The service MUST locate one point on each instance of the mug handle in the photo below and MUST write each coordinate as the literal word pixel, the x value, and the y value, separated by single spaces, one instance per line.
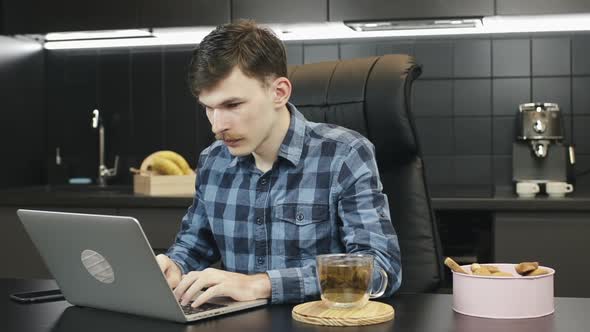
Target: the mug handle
pixel 381 287
pixel 569 188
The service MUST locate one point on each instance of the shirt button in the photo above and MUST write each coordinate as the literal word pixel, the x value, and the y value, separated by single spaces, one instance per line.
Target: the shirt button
pixel 260 260
pixel 263 182
pixel 259 221
pixel 299 216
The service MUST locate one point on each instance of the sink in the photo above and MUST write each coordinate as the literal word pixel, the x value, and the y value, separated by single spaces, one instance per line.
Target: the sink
pixel 89 188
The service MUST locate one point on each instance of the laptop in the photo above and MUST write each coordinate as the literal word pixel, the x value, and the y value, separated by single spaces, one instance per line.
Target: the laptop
pixel 106 262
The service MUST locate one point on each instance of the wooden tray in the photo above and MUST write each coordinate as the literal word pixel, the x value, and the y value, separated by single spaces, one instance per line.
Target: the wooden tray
pixel 164 185
pixel 318 314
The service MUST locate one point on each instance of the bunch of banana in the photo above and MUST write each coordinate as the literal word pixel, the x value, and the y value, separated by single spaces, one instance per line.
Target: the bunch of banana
pixel 166 162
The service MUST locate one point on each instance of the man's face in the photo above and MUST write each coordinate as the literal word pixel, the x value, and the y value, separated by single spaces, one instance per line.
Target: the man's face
pixel 241 112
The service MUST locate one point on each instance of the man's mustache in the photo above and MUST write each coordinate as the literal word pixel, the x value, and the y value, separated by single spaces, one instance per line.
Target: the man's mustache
pixel 226 137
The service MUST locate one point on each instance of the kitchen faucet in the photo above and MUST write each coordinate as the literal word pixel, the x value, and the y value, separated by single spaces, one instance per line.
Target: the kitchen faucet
pixel 103 172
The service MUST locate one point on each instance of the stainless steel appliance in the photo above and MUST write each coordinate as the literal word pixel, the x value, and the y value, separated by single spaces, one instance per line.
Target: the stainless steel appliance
pixel 540 153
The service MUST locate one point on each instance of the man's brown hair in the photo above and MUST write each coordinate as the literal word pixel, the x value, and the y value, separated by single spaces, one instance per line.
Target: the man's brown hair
pixel 255 50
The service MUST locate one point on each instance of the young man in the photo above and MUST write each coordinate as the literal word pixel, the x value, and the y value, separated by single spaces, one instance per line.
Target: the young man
pixel 275 190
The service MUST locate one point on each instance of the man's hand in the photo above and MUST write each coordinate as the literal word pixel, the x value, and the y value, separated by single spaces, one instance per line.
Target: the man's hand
pixel 238 286
pixel 171 271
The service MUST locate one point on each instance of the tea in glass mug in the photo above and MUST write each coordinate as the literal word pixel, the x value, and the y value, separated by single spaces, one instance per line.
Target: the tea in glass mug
pixel 345 280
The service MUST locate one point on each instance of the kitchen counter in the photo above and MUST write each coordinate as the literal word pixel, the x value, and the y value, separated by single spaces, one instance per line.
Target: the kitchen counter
pixel 443 198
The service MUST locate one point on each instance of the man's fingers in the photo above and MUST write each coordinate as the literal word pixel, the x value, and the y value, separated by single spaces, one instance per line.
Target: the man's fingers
pixel 163 262
pixel 171 273
pixel 186 281
pixel 173 278
pixel 207 295
pixel 195 288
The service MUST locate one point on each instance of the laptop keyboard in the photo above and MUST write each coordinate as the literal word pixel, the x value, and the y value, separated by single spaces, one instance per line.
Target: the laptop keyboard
pixel 188 310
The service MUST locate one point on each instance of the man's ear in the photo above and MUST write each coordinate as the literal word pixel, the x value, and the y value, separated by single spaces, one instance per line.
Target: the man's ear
pixel 282 91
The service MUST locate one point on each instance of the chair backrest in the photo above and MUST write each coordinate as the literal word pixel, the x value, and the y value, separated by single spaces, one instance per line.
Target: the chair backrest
pixel 373 97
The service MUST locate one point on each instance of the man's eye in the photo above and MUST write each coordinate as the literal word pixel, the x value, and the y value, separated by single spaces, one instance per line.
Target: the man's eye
pixel 233 105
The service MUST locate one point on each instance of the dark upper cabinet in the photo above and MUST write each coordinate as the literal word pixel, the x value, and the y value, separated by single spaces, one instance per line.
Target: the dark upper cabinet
pixel 539 7
pixel 178 13
pixel 281 11
pixel 37 16
pixel 41 16
pixel 352 10
pixel 2 27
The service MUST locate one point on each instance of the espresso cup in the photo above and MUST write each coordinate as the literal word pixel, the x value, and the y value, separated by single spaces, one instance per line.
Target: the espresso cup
pixel 346 280
pixel 558 189
pixel 527 189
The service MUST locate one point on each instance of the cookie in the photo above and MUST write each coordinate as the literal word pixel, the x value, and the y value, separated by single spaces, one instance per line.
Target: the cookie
pixel 537 272
pixel 526 267
pixel 454 266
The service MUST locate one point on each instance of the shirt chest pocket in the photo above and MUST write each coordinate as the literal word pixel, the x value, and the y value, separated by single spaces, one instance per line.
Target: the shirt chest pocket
pixel 304 229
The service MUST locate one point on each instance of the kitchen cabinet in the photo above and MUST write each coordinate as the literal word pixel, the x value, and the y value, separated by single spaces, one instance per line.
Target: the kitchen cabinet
pixel 540 7
pixel 281 11
pixel 177 13
pixel 18 254
pixel 555 239
pixel 354 10
pixel 37 16
pixel 22 260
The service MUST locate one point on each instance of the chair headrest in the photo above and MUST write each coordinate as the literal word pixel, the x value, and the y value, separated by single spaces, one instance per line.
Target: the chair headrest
pixel 369 95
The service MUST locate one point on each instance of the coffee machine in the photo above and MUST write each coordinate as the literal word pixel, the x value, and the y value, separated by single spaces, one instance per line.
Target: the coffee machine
pixel 540 153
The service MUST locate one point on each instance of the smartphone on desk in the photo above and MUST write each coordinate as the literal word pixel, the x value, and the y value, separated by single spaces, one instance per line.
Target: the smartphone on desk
pixel 38 296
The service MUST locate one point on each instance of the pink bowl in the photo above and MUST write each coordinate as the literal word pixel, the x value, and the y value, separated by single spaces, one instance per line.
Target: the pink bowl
pixel 503 297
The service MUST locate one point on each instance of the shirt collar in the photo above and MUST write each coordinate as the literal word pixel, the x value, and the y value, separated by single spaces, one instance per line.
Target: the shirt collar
pixel 292 146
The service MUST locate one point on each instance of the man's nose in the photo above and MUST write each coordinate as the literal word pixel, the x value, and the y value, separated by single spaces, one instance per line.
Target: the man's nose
pixel 219 122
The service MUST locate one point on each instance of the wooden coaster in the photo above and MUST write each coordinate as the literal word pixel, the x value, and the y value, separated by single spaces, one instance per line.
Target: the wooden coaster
pixel 318 314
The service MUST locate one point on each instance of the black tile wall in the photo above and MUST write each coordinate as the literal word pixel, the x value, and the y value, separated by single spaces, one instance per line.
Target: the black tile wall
pixel 399 47
pixel 433 98
pixel 473 170
pixel 554 90
pixel 580 55
pixel 438 169
pixel 504 133
pixel 509 93
pixel 502 170
pixel 551 56
pixel 581 95
pixel 568 127
pixel 582 134
pixel 357 50
pixel 465 102
pixel 436 135
pixel 511 57
pixel 472 97
pixel 322 52
pixel 583 166
pixel 435 57
pixel 472 58
pixel 294 54
pixel 473 136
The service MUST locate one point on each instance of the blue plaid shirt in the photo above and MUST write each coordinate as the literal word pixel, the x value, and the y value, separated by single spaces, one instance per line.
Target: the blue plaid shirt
pixel 323 195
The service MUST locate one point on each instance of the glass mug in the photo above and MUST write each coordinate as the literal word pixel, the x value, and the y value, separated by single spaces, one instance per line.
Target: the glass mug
pixel 345 280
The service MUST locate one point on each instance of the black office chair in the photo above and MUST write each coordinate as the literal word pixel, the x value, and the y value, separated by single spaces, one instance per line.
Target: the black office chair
pixel 373 97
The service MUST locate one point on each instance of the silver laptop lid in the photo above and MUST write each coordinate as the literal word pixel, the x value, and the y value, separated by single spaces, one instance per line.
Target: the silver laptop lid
pixel 102 261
